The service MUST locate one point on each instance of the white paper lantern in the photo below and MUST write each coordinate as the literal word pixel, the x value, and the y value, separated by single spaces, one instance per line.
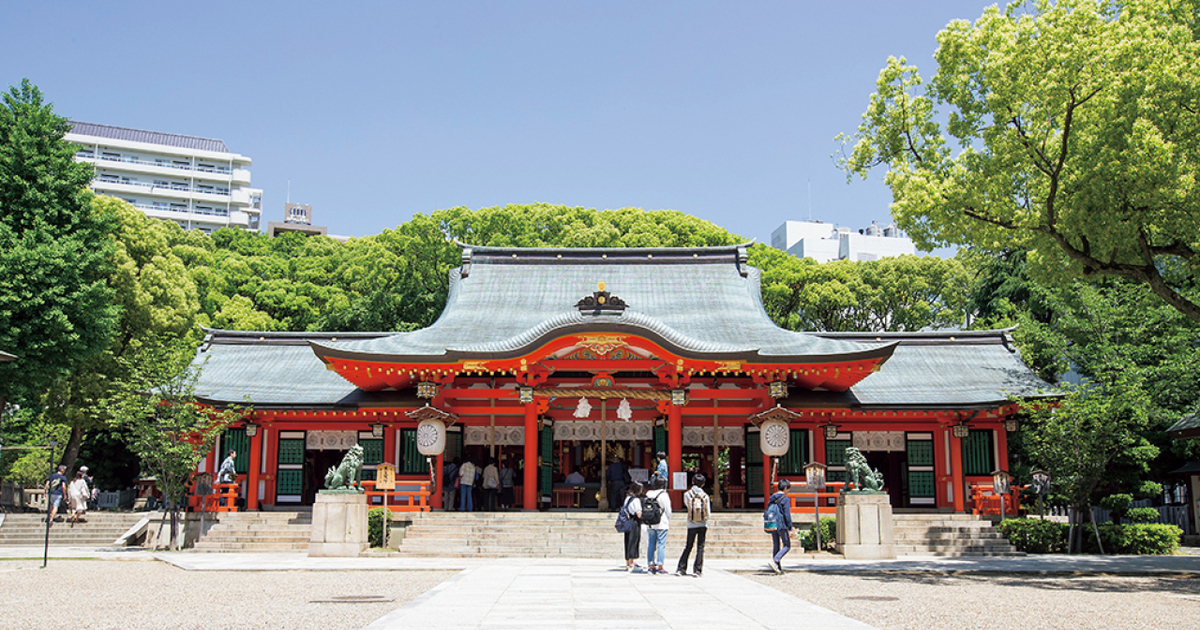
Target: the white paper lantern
pixel 774 438
pixel 431 437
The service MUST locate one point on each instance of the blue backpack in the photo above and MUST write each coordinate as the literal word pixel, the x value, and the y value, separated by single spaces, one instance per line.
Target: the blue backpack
pixel 772 518
pixel 625 523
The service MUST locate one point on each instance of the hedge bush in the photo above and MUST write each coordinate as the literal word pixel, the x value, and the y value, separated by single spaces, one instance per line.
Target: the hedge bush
pixel 375 526
pixel 1034 535
pixel 1148 539
pixel 1142 515
pixel 808 541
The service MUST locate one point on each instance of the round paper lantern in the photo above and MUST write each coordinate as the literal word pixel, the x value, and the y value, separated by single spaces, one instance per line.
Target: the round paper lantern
pixel 774 438
pixel 431 437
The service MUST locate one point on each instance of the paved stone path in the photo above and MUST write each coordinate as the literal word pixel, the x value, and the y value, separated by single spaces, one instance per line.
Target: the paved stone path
pixel 508 594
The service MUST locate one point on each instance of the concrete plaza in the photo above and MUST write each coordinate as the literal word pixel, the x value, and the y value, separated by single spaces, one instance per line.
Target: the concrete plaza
pixel 578 593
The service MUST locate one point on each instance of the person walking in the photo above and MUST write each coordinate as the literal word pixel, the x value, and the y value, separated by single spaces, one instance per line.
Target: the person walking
pixel 698 507
pixel 56 486
pixel 466 482
pixel 656 543
pixel 449 484
pixel 506 486
pixel 661 471
pixel 227 473
pixel 633 537
pixel 779 511
pixel 78 494
pixel 491 485
pixel 616 476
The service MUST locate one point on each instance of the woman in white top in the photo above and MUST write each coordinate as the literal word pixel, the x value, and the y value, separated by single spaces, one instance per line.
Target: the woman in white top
pixel 78 494
pixel 633 537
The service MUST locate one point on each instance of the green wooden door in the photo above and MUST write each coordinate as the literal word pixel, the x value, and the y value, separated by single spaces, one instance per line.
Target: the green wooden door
pixel 289 472
pixel 920 481
pixel 754 466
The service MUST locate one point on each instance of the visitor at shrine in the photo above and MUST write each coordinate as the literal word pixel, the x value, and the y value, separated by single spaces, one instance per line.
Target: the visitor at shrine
pixel 661 471
pixel 779 512
pixel 466 483
pixel 633 537
pixel 450 483
pixel 56 486
pixel 656 544
pixel 227 473
pixel 696 503
pixel 575 477
pixel 506 486
pixel 617 477
pixel 491 485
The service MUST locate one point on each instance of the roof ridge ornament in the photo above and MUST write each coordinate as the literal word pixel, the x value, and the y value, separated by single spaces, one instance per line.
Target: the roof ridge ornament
pixel 599 301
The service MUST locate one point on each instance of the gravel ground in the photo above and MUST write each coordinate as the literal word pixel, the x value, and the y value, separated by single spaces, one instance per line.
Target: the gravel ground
pixel 927 601
pixel 154 595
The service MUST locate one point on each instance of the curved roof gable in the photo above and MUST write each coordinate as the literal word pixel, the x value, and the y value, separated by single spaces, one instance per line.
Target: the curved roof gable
pixel 698 301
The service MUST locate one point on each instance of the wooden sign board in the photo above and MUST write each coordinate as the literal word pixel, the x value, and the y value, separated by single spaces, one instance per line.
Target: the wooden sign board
pixel 385 477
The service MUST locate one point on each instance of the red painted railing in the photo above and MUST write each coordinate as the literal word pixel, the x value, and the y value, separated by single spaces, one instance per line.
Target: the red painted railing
pixel 985 501
pixel 400 500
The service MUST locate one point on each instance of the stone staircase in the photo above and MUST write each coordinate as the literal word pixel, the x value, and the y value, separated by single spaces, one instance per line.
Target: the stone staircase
pixel 564 534
pixel 100 530
pixel 948 535
pixel 258 531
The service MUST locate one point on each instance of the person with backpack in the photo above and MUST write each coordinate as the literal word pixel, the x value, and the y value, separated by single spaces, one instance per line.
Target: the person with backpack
pixel 656 514
pixel 777 520
pixel 450 484
pixel 631 512
pixel 56 487
pixel 696 502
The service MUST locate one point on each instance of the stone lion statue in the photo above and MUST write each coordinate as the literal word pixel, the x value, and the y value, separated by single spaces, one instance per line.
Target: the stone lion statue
pixel 346 474
pixel 860 474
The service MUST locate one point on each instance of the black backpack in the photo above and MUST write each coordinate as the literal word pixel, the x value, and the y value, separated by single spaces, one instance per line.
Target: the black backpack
pixel 652 511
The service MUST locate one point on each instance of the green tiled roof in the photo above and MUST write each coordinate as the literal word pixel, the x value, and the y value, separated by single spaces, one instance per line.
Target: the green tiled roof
pixel 960 368
pixel 1187 427
pixel 700 302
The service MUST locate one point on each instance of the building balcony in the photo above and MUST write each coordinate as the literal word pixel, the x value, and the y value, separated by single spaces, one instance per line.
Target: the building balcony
pixel 153 167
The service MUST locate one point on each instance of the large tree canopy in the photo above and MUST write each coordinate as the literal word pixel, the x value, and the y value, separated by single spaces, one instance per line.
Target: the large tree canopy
pixel 1069 129
pixel 56 309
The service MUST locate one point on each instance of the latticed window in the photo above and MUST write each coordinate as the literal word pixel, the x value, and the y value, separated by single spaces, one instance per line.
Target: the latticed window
pixel 289 482
pixel 412 462
pixel 920 452
pixel 372 451
pixel 236 439
pixel 835 452
pixel 978 454
pixel 792 462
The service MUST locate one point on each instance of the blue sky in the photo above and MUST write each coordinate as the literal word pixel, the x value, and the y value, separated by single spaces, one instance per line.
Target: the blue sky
pixel 376 111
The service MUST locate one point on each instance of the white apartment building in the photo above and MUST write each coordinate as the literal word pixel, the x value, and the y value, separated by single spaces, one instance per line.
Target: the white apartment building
pixel 825 242
pixel 195 182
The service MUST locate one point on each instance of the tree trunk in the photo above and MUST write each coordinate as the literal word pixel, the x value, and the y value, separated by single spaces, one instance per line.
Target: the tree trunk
pixel 1095 529
pixel 71 452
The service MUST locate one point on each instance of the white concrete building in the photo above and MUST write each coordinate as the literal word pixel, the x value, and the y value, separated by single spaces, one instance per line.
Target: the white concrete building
pixel 195 182
pixel 825 242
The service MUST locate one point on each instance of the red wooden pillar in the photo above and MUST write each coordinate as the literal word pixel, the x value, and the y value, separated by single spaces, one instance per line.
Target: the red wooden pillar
pixel 530 498
pixel 956 474
pixel 253 474
pixel 272 464
pixel 1002 448
pixel 675 450
pixel 939 466
pixel 818 442
pixel 435 501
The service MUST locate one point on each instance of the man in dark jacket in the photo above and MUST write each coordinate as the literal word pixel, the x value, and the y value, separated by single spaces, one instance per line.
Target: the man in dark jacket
pixel 781 538
pixel 616 476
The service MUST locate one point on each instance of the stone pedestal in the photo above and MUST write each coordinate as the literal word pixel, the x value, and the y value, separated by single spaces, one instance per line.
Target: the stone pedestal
pixel 339 525
pixel 864 527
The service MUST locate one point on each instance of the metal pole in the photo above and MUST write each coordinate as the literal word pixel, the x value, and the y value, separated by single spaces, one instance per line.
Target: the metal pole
pixel 53 469
pixel 817 510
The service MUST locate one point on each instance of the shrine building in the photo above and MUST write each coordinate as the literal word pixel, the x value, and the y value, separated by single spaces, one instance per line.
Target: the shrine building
pixel 559 360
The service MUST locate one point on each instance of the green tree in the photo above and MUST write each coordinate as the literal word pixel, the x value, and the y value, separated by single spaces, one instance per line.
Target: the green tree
pixel 1067 129
pixel 904 293
pixel 155 410
pixel 56 309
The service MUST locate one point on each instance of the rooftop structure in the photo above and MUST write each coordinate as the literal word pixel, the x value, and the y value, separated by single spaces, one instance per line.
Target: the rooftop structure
pixel 297 217
pixel 825 242
pixel 196 182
